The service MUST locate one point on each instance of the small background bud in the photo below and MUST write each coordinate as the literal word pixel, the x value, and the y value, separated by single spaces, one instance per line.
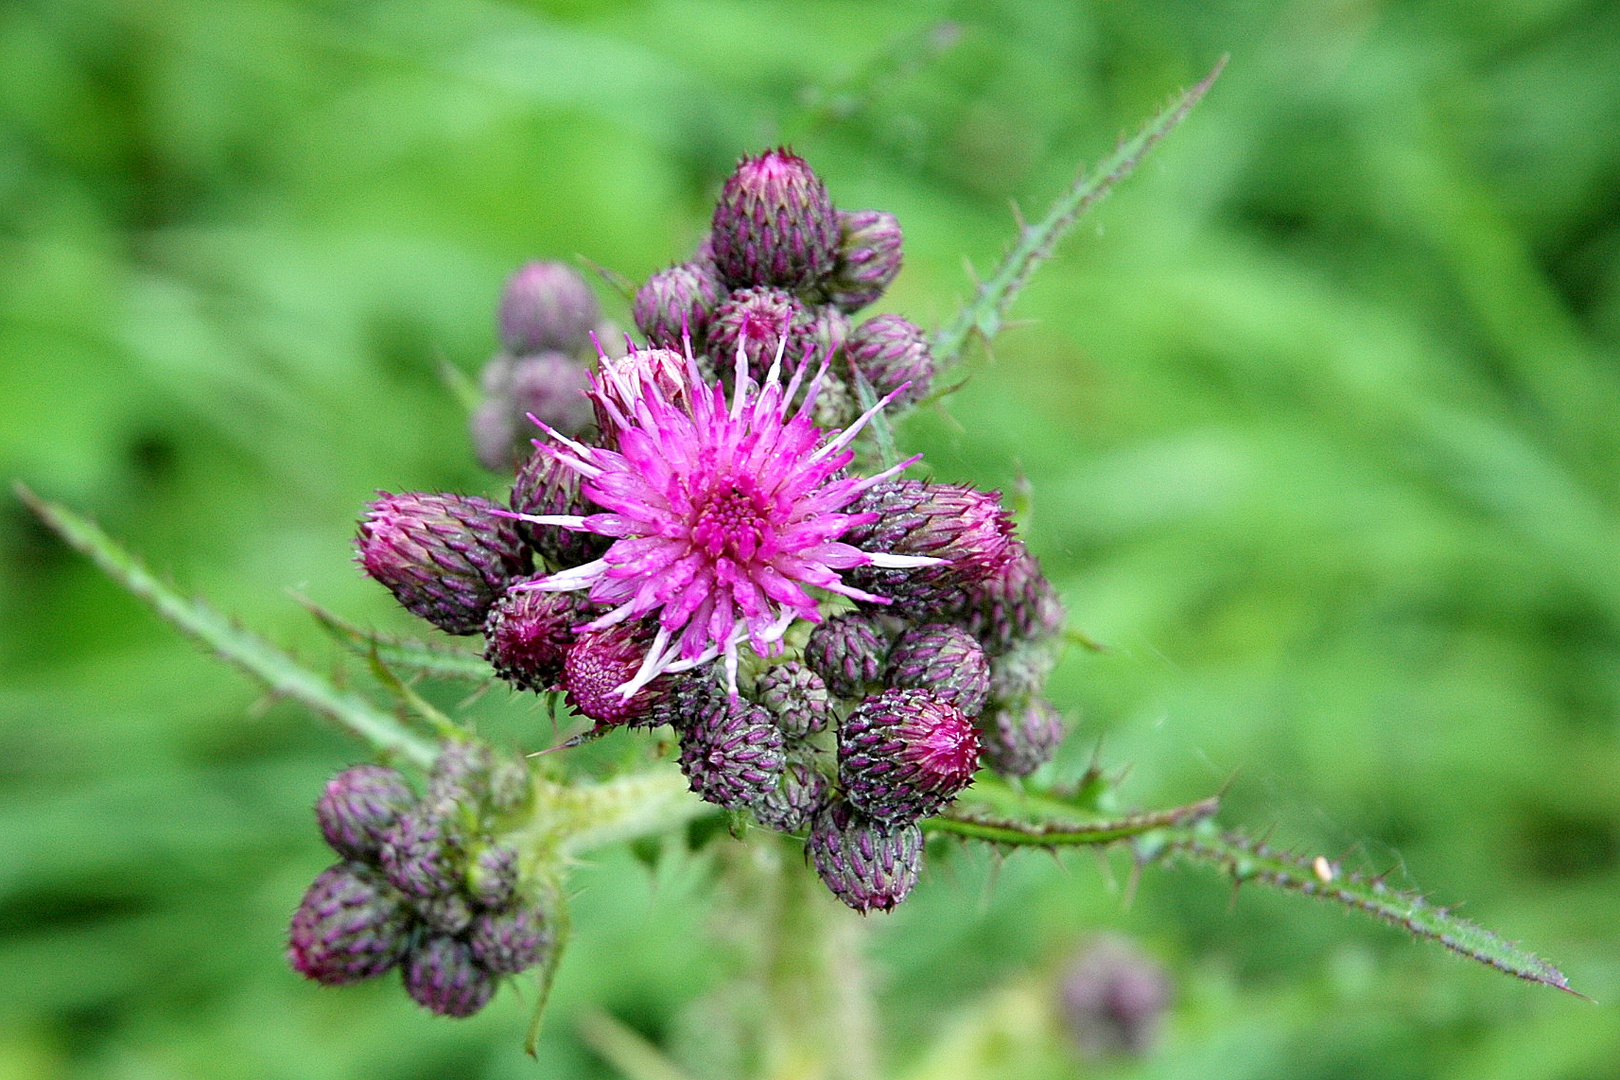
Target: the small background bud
pixel 869 256
pixel 358 806
pixel 547 305
pixel 350 926
pixel 1113 997
pixel 442 975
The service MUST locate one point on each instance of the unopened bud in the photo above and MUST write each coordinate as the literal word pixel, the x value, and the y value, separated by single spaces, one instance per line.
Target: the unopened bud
pixel 848 652
pixel 732 754
pixel 946 661
pixel 600 662
pixel 442 975
pixel 963 526
pixel 1114 997
pixel 360 804
pixel 796 697
pixel 889 352
pixel 546 486
pixel 506 942
pixel 445 557
pixel 528 635
pixel 904 754
pixel 678 301
pixel 1019 738
pixel 868 258
pixel 547 305
pixel 774 224
pixel 350 926
pixel 868 865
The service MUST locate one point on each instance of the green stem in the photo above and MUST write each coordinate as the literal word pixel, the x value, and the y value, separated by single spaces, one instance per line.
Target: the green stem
pixel 985 314
pixel 277 669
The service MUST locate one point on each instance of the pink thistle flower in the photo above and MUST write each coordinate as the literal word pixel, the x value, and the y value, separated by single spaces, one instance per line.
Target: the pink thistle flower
pixel 723 515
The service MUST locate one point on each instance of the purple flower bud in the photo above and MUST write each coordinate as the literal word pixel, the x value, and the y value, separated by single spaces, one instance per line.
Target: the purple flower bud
pixel 553 388
pixel 528 635
pixel 801 791
pixel 1113 997
pixel 1016 604
pixel 442 975
pixel 416 856
pixel 868 258
pixel 492 876
pixel 544 487
pixel 756 320
pixel 691 693
pixel 796 697
pixel 547 305
pixel 903 754
pixel 445 557
pixel 967 528
pixel 447 913
pixel 358 806
pixel 946 661
pixel 889 351
pixel 1017 739
pixel 350 926
pixel 676 301
pixel 600 662
pixel 506 942
pixel 732 754
pixel 847 651
pixel 774 224
pixel 868 865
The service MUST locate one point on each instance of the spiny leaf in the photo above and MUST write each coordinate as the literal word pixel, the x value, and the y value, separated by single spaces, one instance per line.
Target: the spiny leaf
pixel 979 824
pixel 423 657
pixel 1246 859
pixel 278 670
pixel 985 314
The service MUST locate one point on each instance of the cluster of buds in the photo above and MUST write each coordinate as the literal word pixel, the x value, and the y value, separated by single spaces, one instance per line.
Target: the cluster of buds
pixel 547 317
pixel 837 653
pixel 782 263
pixel 422 883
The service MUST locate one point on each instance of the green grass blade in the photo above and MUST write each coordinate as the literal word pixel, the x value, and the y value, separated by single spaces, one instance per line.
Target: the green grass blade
pixel 1245 859
pixel 278 670
pixel 985 314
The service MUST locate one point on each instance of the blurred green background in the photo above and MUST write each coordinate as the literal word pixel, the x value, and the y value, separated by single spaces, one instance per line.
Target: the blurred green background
pixel 1317 415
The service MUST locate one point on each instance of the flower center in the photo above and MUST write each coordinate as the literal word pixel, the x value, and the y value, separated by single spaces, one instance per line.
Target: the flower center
pixel 733 521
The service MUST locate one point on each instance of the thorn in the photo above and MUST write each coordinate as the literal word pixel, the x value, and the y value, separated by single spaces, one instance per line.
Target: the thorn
pixel 1018 217
pixel 973 275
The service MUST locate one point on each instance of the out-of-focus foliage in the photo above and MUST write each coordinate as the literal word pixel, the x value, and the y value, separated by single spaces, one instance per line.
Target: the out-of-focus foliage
pixel 1317 415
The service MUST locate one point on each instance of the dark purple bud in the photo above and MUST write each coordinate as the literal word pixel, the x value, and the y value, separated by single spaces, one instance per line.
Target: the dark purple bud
pixel 868 258
pixel 553 388
pixel 1015 605
pixel 903 754
pixel 800 792
pixel 350 926
pixel 359 805
pixel 796 697
pixel 847 651
pixel 544 486
pixel 442 976
pixel 447 913
pixel 1017 739
pixel 416 856
pixel 691 693
pixel 889 352
pixel 676 301
pixel 732 754
pixel 547 306
pixel 599 663
pixel 756 320
pixel 445 557
pixel 946 661
pixel 492 876
pixel 528 635
pixel 1114 997
pixel 774 224
pixel 867 864
pixel 506 942
pixel 965 527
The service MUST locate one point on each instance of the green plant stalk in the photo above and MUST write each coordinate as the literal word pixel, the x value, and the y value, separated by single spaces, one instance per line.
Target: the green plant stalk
pixel 271 665
pixel 986 313
pixel 441 661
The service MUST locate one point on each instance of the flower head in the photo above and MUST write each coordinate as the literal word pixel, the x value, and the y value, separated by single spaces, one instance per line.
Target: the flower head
pixel 724 515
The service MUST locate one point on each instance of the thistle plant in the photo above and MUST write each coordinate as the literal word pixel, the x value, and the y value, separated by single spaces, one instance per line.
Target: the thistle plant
pixel 710 538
